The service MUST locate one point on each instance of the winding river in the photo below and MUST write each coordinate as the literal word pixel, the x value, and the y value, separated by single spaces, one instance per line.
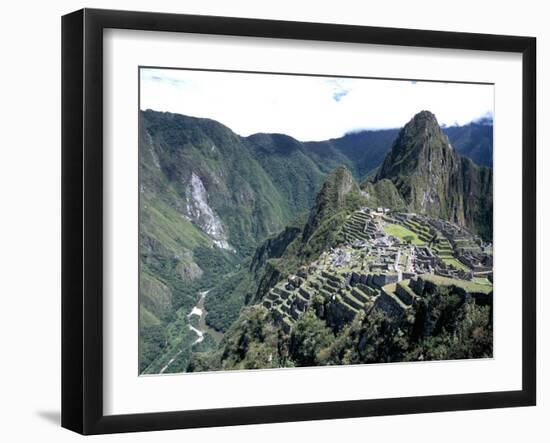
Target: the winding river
pixel 201 328
pixel 199 311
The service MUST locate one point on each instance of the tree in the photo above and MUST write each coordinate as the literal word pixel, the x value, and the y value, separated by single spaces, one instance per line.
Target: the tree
pixel 408 239
pixel 309 336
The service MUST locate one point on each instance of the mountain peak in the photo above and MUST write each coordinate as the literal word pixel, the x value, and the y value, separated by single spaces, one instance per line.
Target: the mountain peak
pixel 425 115
pixel 338 184
pixel 432 178
pixel 420 144
pixel 424 124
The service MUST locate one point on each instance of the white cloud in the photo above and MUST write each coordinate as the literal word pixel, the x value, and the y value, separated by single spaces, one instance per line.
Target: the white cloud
pixel 308 108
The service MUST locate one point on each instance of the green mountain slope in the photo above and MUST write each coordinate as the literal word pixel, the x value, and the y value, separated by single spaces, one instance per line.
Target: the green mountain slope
pixel 174 256
pixel 204 188
pixel 208 197
pixel 221 186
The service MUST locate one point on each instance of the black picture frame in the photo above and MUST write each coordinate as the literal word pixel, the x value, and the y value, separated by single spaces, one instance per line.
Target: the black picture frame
pixel 82 218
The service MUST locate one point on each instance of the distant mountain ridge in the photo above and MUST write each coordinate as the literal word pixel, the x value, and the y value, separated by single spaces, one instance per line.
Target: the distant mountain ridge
pixel 361 152
pixel 474 140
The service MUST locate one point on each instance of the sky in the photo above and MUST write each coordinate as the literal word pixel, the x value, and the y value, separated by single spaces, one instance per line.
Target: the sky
pixel 305 107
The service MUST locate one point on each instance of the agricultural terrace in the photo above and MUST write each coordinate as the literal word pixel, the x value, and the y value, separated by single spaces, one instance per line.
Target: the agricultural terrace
pixel 470 286
pixel 456 263
pixel 402 233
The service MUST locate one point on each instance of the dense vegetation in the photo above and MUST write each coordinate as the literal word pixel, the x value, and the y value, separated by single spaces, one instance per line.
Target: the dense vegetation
pixel 234 215
pixel 443 326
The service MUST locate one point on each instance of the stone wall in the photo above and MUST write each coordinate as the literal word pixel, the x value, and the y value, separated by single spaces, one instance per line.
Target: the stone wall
pixel 389 305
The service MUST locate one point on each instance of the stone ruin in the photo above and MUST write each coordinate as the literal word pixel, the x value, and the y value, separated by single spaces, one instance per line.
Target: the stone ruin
pixel 373 270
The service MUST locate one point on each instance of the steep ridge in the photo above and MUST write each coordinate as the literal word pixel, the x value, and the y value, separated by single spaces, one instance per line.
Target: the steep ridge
pixel 339 196
pixel 301 241
pixel 433 179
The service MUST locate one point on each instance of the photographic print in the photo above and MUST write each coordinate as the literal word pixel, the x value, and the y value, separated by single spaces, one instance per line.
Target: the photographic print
pixel 297 220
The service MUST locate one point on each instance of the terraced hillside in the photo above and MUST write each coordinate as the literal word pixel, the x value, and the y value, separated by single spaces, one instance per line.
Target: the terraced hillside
pixel 373 269
pixel 294 260
pixel 420 228
pixel 400 279
pixel 359 226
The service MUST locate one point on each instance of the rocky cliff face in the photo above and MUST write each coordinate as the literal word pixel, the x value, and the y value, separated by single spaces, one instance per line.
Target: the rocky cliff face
pixel 198 210
pixel 433 179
